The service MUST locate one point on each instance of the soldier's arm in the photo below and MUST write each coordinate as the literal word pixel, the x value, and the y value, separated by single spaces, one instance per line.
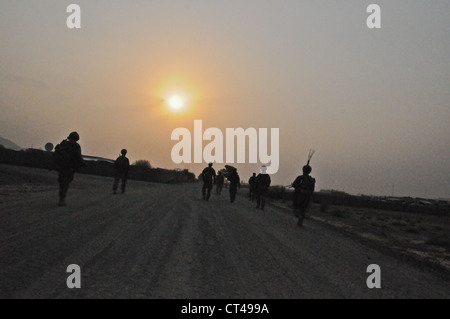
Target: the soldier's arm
pixel 79 158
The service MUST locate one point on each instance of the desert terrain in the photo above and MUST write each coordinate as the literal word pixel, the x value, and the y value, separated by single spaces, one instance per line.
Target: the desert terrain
pixel 162 241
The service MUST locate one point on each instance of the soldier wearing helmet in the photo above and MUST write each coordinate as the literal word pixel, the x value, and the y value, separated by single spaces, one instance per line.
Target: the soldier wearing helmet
pixel 67 159
pixel 121 167
pixel 235 183
pixel 304 189
pixel 263 181
pixel 209 178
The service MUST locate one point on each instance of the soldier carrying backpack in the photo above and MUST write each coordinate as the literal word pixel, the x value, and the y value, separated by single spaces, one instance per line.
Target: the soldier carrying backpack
pixel 304 188
pixel 262 187
pixel 209 178
pixel 121 167
pixel 67 159
pixel 235 183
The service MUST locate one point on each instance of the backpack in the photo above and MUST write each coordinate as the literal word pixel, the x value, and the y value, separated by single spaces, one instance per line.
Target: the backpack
pixel 307 184
pixel 62 157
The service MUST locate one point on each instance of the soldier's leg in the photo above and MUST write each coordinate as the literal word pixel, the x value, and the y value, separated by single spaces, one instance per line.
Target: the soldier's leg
pixel 301 217
pixel 263 200
pixel 208 193
pixel 258 199
pixel 302 210
pixel 304 205
pixel 116 183
pixel 63 187
pixel 296 205
pixel 204 191
pixel 124 183
pixel 65 176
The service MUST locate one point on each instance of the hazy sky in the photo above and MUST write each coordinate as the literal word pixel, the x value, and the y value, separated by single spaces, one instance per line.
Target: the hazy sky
pixel 373 103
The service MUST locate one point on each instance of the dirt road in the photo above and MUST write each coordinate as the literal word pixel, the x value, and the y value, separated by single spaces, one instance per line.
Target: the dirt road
pixel 163 241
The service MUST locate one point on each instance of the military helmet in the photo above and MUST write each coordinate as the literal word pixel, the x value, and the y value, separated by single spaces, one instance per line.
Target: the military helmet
pixel 307 169
pixel 123 152
pixel 73 136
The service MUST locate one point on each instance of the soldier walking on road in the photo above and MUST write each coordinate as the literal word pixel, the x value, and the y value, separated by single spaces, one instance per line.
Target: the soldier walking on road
pixel 235 183
pixel 252 187
pixel 304 188
pixel 121 167
pixel 209 177
pixel 219 182
pixel 262 187
pixel 67 159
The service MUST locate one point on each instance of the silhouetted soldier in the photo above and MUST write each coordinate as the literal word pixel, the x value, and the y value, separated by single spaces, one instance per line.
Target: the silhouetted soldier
pixel 219 182
pixel 67 159
pixel 262 187
pixel 209 177
pixel 121 167
pixel 304 189
pixel 252 187
pixel 235 183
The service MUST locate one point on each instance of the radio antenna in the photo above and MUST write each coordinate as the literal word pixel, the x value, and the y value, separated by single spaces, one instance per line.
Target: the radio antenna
pixel 310 155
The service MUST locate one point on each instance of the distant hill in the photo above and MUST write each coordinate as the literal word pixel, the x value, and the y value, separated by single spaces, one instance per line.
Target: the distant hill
pixel 10 145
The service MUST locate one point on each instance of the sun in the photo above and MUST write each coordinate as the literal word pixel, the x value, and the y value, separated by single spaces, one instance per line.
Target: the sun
pixel 175 103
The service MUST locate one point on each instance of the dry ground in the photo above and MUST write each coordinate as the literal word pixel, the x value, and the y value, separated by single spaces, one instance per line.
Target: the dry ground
pixel 422 237
pixel 163 241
